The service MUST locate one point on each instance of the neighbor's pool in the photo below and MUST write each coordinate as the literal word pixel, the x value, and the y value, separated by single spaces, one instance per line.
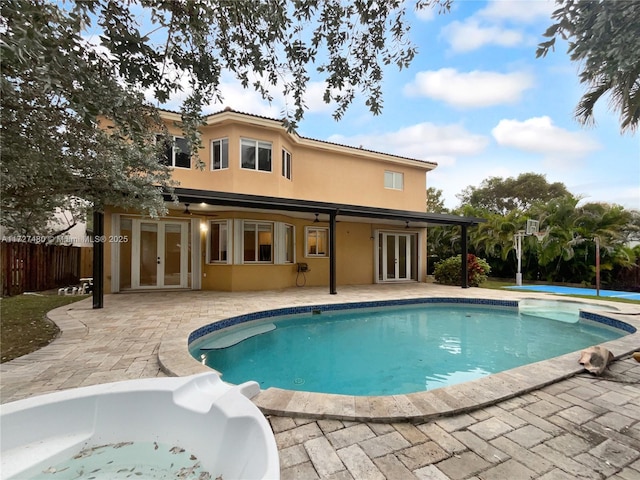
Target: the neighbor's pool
pixel 390 350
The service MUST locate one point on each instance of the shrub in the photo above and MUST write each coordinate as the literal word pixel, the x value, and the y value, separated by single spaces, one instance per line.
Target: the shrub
pixel 448 271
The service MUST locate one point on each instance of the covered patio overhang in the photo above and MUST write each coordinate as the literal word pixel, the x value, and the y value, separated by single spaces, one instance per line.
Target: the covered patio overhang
pixel 326 211
pixel 203 201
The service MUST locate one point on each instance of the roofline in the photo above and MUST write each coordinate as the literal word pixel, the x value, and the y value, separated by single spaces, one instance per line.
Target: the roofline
pixel 189 195
pixel 274 123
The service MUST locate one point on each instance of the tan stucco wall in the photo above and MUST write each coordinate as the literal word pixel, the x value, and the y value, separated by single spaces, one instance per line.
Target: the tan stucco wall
pixel 320 171
pixel 355 257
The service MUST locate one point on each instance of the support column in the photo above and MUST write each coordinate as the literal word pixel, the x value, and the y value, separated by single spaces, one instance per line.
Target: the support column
pixel 98 259
pixel 332 253
pixel 465 255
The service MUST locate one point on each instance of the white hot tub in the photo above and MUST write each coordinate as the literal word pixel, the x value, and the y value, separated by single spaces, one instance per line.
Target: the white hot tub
pixel 180 427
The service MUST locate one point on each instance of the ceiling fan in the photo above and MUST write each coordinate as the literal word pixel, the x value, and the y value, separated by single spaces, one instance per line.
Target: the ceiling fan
pixel 200 213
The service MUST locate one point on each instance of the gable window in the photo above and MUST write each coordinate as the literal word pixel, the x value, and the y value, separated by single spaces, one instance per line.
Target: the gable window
pixel 255 155
pixel 286 164
pixel 220 154
pixel 393 180
pixel 176 153
pixel 257 242
pixel 316 242
pixel 218 245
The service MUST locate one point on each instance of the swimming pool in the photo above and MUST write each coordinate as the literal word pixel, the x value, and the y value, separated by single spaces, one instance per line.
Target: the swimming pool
pixel 388 348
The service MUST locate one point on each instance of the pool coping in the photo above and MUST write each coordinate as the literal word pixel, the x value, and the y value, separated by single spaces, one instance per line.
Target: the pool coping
pixel 175 360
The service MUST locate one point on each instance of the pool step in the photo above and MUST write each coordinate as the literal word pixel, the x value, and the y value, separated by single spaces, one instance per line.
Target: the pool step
pixel 237 336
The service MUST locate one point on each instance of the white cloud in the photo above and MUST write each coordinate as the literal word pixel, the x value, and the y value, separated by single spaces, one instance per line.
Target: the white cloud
pixel 235 96
pixel 470 35
pixel 626 194
pixel 521 11
pixel 470 90
pixel 540 135
pixel 488 25
pixel 424 141
pixel 453 179
pixel 425 14
pixel 314 98
pixel 247 100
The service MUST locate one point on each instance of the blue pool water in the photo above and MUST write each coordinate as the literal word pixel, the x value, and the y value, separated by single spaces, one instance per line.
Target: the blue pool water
pixel 391 350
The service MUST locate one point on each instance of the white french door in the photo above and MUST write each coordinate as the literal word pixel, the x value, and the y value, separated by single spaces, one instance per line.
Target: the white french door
pixel 397 259
pixel 160 255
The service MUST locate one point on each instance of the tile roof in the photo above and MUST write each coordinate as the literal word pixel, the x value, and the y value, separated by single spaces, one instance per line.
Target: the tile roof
pixel 281 121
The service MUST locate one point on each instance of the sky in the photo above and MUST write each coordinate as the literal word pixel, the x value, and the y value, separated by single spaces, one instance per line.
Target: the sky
pixel 478 102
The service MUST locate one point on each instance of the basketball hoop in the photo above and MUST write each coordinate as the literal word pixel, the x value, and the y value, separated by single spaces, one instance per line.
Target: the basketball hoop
pixel 541 235
pixel 532 227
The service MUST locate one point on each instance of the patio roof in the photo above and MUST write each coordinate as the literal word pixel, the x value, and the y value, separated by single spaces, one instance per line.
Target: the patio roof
pixel 339 210
pixel 211 200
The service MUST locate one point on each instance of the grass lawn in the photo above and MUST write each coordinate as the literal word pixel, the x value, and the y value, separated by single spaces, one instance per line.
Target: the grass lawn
pixel 24 327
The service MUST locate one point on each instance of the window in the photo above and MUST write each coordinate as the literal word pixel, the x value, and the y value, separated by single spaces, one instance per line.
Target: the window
pixel 394 180
pixel 286 164
pixel 257 242
pixel 218 246
pixel 255 155
pixel 176 152
pixel 316 242
pixel 220 154
pixel 289 243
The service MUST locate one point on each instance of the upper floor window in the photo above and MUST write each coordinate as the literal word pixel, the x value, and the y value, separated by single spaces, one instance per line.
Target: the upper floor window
pixel 176 153
pixel 220 154
pixel 286 164
pixel 393 180
pixel 255 155
pixel 316 242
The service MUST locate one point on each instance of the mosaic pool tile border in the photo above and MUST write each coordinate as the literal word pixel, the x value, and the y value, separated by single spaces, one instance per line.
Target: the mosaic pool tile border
pixel 610 322
pixel 233 321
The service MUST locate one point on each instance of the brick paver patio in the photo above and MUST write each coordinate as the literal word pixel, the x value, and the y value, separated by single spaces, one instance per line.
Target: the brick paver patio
pixel 580 427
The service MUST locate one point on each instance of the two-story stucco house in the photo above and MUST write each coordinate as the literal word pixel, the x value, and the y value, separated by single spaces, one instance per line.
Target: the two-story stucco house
pixel 271 210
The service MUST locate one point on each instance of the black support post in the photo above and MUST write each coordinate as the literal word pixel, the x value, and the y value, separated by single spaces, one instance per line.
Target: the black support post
pixel 98 259
pixel 465 257
pixel 332 253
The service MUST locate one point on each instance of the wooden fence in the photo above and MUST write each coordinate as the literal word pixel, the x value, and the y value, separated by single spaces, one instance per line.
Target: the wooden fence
pixel 33 267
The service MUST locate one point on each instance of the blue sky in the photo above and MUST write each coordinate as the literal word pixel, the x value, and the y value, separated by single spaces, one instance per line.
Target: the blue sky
pixel 478 102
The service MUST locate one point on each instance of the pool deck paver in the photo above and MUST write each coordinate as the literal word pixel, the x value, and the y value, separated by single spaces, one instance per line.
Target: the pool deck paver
pixel 579 427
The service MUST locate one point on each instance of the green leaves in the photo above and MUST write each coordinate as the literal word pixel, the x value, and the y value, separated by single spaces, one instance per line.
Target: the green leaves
pixel 56 91
pixel 498 195
pixel 604 38
pixel 565 254
pixel 76 124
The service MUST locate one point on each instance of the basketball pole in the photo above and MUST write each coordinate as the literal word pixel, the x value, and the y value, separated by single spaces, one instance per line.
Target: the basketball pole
pixel 518 238
pixel 597 240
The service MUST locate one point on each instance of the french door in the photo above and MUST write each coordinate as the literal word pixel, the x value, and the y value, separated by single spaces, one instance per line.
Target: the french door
pixel 397 259
pixel 160 255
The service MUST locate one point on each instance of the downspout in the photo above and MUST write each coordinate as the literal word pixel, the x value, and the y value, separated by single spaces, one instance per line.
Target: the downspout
pixel 98 259
pixel 465 258
pixel 332 253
